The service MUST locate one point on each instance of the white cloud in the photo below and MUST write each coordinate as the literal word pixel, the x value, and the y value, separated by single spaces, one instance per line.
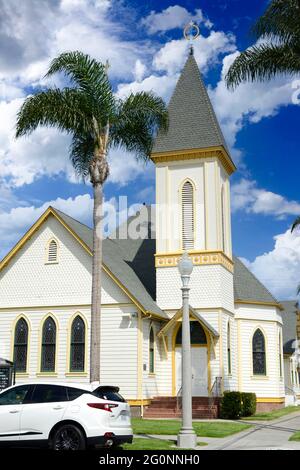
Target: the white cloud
pixel 250 102
pixel 139 70
pixel 207 50
pixel 245 195
pixel 279 269
pixel 171 18
pixel 163 85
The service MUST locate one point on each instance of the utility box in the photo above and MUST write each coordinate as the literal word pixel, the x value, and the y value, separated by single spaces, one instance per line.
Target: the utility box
pixel 7 373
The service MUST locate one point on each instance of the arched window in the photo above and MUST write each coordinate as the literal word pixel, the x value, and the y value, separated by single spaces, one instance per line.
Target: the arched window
pixel 259 353
pixel 280 353
pixel 198 335
pixel 52 254
pixel 77 350
pixel 223 218
pixel 228 348
pixel 151 351
pixel 187 201
pixel 21 345
pixel 48 345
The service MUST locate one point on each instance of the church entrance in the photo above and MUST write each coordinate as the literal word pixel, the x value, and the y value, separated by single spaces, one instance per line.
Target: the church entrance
pixel 199 357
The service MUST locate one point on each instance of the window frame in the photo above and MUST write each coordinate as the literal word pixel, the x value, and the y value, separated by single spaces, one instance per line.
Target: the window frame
pixel 47 260
pixel 229 357
pixel 264 352
pixel 151 351
pixel 193 214
pixel 70 343
pixel 14 345
pixel 42 344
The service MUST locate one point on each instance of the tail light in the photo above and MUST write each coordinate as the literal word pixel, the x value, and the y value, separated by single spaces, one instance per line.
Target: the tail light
pixel 103 406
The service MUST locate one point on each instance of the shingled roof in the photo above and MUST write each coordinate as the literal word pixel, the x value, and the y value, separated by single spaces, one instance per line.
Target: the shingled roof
pixel 248 287
pixel 192 120
pixel 289 317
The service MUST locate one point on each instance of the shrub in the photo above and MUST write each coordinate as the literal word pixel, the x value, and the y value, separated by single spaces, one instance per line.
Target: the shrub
pixel 248 404
pixel 231 405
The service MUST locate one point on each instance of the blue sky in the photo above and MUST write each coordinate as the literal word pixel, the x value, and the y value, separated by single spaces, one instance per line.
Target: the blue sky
pixel 143 42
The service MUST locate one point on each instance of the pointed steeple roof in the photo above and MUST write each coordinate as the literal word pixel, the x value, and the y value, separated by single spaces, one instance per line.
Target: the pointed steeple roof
pixel 192 120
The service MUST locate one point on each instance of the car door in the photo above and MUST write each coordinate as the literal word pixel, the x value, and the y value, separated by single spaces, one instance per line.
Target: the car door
pixel 11 406
pixel 46 408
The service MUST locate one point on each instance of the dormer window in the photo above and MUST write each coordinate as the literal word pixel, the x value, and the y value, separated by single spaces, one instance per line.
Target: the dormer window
pixel 52 252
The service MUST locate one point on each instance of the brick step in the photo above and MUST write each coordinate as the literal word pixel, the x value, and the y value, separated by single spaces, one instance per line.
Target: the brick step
pixel 172 406
pixel 204 414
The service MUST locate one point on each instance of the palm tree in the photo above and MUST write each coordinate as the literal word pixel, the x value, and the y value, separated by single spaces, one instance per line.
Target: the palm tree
pixel 278 50
pixel 96 120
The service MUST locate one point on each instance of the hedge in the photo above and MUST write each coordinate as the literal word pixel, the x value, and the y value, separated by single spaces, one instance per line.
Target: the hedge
pixel 237 404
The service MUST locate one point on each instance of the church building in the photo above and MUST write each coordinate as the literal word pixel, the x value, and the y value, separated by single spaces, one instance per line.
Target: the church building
pixel 236 323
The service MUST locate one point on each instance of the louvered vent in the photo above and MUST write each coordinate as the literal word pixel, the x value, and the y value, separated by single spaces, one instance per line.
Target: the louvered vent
pixel 52 252
pixel 187 216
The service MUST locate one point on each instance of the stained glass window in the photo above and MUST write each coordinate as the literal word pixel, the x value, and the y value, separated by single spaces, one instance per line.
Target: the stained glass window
pixel 21 345
pixel 259 353
pixel 48 346
pixel 198 335
pixel 228 349
pixel 151 351
pixel 77 358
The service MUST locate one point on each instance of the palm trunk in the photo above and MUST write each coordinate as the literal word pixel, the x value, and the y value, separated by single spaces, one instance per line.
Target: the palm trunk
pixel 96 285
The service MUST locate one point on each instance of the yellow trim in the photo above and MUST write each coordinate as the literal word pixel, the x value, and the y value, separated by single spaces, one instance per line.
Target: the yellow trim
pixel 256 302
pixel 139 402
pixel 21 375
pixel 46 374
pixel 35 227
pixel 239 358
pixel 40 339
pixel 270 400
pixel 199 258
pixel 187 180
pixel 220 322
pixel 192 154
pixel 259 376
pixel 83 373
pixel 207 345
pixel 217 204
pixel 140 356
pixel 12 344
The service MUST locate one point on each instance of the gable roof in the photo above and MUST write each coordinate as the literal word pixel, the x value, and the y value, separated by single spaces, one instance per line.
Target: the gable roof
pixel 130 263
pixel 248 288
pixel 289 328
pixel 115 262
pixel 192 120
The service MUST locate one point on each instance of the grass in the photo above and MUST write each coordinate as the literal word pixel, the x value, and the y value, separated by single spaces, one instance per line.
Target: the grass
pixel 295 436
pixel 268 416
pixel 172 427
pixel 153 444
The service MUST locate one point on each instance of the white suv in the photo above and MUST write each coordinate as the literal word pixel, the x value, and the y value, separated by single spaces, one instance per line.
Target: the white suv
pixel 63 415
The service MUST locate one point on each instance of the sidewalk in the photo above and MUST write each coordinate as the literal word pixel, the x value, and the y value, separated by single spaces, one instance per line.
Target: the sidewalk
pixel 263 435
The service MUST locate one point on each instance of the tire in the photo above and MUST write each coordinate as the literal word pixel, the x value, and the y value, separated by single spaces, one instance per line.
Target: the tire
pixel 68 437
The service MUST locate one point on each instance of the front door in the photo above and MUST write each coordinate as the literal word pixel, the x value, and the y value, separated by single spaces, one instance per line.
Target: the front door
pixel 199 371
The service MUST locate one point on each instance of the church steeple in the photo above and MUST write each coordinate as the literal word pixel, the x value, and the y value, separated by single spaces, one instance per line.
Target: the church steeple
pixel 193 124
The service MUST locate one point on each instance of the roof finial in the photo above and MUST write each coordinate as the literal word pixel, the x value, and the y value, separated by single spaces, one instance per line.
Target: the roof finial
pixel 191 32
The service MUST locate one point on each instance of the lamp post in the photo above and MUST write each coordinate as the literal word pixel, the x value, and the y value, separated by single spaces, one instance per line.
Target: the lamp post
pixel 186 437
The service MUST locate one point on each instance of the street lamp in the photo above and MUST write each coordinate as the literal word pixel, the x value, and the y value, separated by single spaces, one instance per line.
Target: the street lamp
pixel 186 437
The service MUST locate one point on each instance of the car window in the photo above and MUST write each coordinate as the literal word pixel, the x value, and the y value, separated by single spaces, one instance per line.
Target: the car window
pixel 48 394
pixel 14 396
pixel 74 393
pixel 107 393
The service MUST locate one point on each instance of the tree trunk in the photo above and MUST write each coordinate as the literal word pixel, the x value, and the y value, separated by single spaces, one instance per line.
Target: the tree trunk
pixel 96 284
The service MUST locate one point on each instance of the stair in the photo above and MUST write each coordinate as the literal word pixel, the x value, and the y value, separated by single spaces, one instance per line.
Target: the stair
pixel 165 407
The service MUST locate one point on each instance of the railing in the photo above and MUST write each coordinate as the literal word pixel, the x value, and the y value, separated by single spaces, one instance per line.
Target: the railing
pixel 179 400
pixel 293 392
pixel 215 392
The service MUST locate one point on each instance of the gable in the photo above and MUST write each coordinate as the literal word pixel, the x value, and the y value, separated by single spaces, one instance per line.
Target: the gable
pixel 28 280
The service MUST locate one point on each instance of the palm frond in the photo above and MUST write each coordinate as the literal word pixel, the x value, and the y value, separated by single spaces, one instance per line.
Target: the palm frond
pixel 137 122
pixel 295 224
pixel 262 63
pixel 81 153
pixel 280 21
pixel 90 76
pixel 67 110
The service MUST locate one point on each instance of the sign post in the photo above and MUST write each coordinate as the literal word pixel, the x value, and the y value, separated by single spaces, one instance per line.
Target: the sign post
pixel 7 375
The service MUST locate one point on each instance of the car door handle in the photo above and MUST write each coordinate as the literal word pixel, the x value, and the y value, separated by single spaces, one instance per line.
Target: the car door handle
pixel 58 407
pixel 15 411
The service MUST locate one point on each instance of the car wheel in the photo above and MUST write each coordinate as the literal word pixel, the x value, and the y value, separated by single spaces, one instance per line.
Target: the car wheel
pixel 68 437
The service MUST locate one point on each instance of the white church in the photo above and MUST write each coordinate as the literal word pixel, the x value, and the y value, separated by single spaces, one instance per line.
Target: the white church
pixel 236 324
